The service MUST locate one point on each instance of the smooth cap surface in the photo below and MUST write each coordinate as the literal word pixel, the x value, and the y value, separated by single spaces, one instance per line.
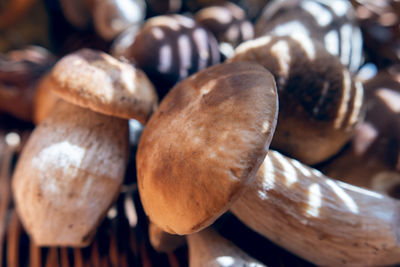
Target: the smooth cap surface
pixel 95 80
pixel 204 143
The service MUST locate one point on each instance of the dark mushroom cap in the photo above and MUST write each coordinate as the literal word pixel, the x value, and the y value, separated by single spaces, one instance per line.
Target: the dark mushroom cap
pixel 330 22
pixel 170 48
pixel 319 103
pixel 204 144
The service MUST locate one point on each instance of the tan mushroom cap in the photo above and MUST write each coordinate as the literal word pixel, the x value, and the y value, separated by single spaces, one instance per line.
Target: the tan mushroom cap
pixel 95 80
pixel 204 143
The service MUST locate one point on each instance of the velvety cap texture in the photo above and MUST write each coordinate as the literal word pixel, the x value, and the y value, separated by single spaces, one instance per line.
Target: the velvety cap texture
pixel 95 80
pixel 204 143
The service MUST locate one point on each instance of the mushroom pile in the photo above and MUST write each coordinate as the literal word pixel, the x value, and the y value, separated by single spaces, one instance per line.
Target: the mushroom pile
pixel 270 116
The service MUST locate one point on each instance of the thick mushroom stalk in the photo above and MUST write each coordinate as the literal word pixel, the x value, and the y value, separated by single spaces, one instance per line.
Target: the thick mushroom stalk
pixel 327 222
pixel 74 163
pixel 69 174
pixel 207 248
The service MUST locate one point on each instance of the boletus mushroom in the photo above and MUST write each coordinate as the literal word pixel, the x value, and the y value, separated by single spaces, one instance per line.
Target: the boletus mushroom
pixel 204 143
pixel 328 222
pixel 169 48
pixel 331 23
pixel 319 102
pixel 73 165
pixel 198 156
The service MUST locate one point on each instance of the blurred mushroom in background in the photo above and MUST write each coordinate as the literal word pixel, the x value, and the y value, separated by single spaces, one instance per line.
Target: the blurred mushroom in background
pixel 20 71
pixel 379 22
pixel 229 24
pixel 169 48
pixel 374 152
pixel 332 23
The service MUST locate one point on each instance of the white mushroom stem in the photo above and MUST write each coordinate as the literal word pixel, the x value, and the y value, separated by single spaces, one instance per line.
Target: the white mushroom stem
pixel 327 222
pixel 207 248
pixel 162 241
pixel 69 173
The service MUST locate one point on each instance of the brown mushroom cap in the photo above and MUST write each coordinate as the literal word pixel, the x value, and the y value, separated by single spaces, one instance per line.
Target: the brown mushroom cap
pixel 204 143
pixel 320 103
pixel 169 48
pixel 95 80
pixel 332 23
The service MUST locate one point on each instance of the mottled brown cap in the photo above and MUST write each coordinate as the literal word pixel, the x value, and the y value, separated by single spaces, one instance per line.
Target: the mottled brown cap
pixel 319 103
pixel 332 23
pixel 204 144
pixel 170 48
pixel 95 80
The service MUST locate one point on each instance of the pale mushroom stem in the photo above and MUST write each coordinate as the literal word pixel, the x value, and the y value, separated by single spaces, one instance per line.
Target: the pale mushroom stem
pixel 207 248
pixel 69 173
pixel 327 222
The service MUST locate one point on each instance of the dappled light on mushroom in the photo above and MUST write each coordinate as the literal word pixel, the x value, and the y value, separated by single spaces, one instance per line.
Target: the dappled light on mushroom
pixel 346 198
pixel 225 260
pixel 289 28
pixel 318 218
pixel 281 51
pixel 360 190
pixel 344 102
pixel 331 23
pixel 320 104
pixel 314 200
pixel 322 15
pixel 268 184
pixel 73 165
pixel 185 55
pixel 332 42
pixel 287 170
pixel 357 106
pixel 65 161
pixel 300 167
pixel 165 62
